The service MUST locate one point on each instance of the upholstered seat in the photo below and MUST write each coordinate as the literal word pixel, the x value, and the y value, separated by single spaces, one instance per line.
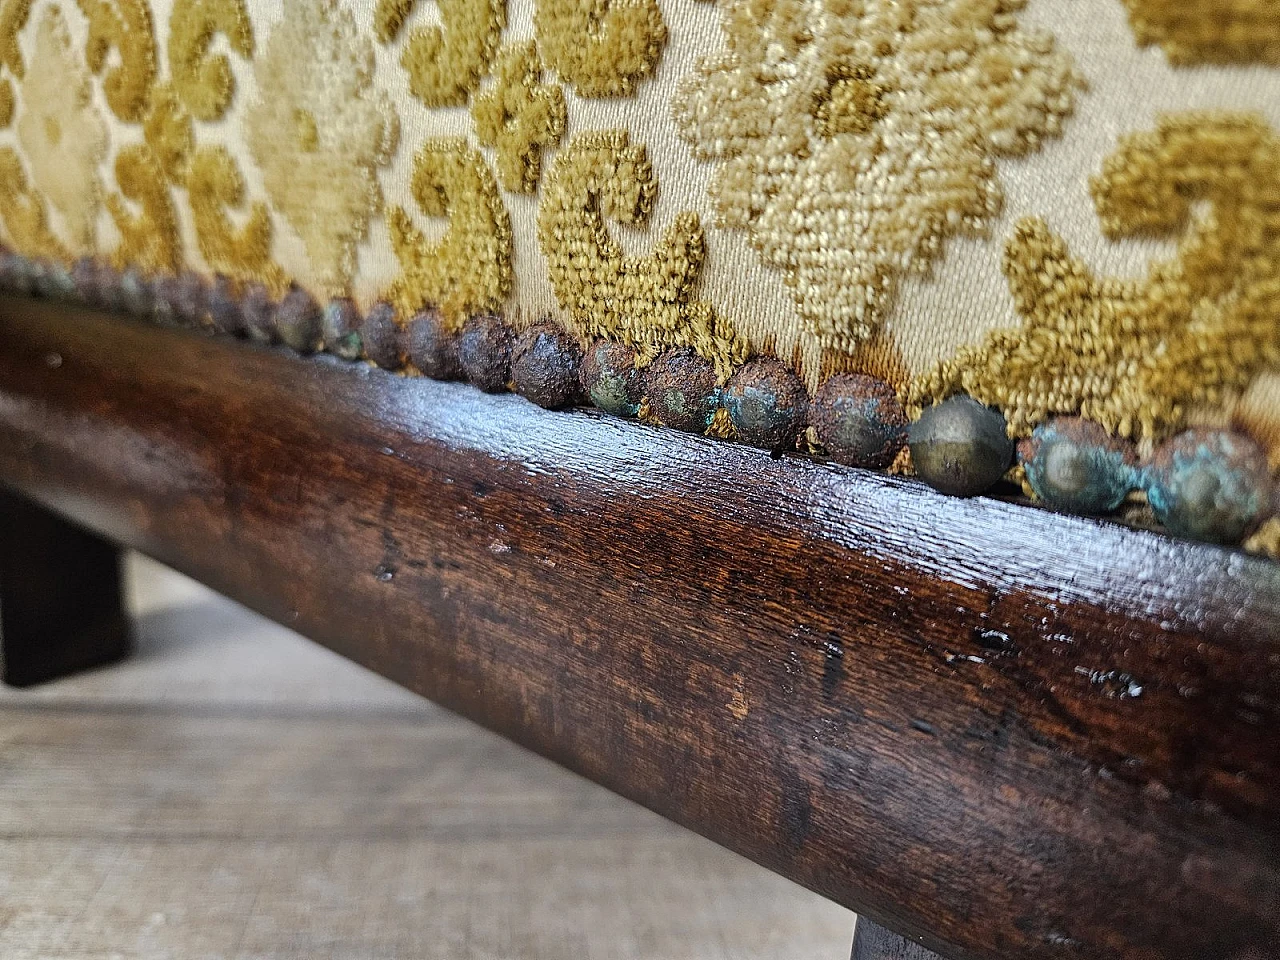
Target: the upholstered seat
pixel 1058 210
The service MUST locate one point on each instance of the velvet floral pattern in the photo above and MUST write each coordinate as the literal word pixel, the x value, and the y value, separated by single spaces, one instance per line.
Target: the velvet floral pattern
pixel 61 132
pixel 320 130
pixel 852 139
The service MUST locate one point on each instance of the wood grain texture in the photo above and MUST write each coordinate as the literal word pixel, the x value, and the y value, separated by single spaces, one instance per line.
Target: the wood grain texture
pixel 873 942
pixel 1001 731
pixel 60 604
pixel 235 792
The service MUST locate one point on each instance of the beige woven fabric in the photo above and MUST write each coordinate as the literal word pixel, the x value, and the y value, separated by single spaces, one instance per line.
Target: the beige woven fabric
pixel 854 215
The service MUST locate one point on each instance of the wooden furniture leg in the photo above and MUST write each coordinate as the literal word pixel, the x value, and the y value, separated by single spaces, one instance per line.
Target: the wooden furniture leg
pixel 873 942
pixel 60 599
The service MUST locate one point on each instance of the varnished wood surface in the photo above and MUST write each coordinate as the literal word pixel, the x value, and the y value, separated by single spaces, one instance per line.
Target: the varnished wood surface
pixel 234 792
pixel 1008 733
pixel 60 604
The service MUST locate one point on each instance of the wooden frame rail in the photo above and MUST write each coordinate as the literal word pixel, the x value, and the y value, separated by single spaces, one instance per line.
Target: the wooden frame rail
pixel 1001 731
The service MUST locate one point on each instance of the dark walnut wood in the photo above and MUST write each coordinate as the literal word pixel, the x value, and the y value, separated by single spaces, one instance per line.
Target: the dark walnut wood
pixel 1001 731
pixel 873 942
pixel 60 602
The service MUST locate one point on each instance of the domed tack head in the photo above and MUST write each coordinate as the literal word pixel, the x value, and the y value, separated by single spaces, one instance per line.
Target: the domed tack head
pixel 340 328
pixel 9 277
pixel 1212 485
pixel 164 300
pixel 189 298
pixel 64 285
pixel 53 280
pixel 960 447
pixel 609 378
pixel 38 271
pixel 298 321
pixel 28 274
pixel 545 363
pixel 433 348
pixel 223 306
pixel 859 421
pixel 484 350
pixel 84 274
pixel 15 272
pixel 110 296
pixel 382 338
pixel 1075 466
pixel 27 267
pixel 258 311
pixel 135 292
pixel 682 390
pixel 767 403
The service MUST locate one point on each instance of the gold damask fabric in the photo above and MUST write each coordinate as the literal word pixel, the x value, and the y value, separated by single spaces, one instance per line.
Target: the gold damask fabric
pixel 1055 207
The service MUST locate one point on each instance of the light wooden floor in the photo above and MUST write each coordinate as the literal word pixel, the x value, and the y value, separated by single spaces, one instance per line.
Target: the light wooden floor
pixel 237 792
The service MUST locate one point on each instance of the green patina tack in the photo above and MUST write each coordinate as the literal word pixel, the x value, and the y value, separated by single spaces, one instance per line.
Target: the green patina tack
pixel 682 390
pixel 611 380
pixel 298 321
pixel 1075 466
pixel 340 328
pixel 767 404
pixel 1212 485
